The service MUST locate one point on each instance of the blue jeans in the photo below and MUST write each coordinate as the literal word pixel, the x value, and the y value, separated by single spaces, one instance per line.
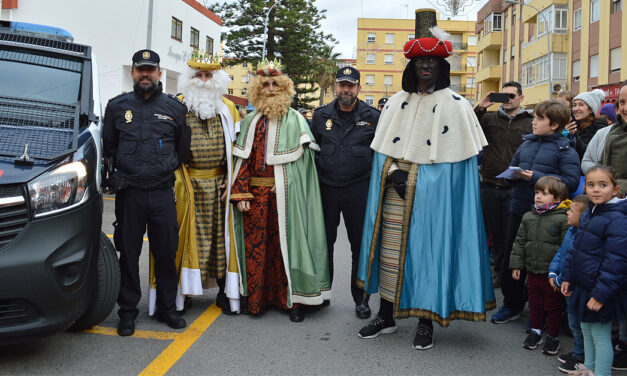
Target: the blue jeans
pixel 575 327
pixel 597 339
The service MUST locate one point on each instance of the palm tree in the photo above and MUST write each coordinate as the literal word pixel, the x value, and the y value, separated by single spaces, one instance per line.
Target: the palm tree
pixel 325 70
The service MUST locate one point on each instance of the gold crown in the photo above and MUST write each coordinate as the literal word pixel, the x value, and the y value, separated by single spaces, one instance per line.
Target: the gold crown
pixel 203 60
pixel 266 66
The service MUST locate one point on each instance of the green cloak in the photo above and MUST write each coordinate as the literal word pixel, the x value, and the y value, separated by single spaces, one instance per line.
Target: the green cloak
pixel 290 149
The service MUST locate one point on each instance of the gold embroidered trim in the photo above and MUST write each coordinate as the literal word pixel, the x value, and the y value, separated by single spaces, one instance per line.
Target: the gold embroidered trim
pixel 257 181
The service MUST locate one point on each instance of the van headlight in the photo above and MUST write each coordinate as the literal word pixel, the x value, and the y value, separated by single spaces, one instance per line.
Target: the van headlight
pixel 61 188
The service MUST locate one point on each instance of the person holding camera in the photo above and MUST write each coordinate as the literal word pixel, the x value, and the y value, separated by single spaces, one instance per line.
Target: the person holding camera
pixel 146 137
pixel 504 130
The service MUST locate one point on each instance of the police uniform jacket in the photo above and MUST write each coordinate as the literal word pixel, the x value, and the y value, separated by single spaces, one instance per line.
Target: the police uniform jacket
pixel 147 138
pixel 345 156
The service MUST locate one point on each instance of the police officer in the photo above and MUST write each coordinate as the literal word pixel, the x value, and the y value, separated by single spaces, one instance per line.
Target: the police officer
pixel 146 138
pixel 344 130
pixel 382 103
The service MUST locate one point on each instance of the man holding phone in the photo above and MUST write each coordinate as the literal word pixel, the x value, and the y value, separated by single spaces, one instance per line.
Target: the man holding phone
pixel 504 130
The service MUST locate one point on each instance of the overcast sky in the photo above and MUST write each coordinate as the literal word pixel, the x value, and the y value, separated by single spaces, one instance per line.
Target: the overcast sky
pixel 342 16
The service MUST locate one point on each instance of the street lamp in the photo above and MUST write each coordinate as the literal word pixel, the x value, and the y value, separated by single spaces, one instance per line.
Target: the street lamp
pixel 548 39
pixel 265 31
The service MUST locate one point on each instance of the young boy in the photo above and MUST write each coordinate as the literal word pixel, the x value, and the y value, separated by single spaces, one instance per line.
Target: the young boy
pixel 569 361
pixel 544 153
pixel 539 236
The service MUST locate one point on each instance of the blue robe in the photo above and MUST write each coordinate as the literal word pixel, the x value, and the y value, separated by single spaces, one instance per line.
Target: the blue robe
pixel 444 271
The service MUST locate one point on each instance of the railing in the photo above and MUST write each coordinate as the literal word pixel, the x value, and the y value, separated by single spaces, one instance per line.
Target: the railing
pixel 458 88
pixel 460 46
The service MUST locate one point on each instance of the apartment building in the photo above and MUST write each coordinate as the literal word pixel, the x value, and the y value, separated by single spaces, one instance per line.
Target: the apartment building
pixel 381 61
pixel 598 31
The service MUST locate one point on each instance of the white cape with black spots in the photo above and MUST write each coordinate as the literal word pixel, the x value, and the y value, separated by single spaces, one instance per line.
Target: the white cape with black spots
pixel 440 127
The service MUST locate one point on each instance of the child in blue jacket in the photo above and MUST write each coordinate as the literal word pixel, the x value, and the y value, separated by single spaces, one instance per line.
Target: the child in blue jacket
pixel 595 270
pixel 571 361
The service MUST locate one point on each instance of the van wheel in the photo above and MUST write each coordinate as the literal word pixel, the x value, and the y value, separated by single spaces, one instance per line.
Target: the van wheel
pixel 106 289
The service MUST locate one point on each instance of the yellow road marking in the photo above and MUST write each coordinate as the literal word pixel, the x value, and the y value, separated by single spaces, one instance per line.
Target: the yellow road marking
pixel 109 198
pixel 168 357
pixel 110 236
pixel 138 333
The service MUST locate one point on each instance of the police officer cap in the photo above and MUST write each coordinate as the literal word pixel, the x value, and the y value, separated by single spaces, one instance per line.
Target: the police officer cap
pixel 146 58
pixel 382 101
pixel 349 74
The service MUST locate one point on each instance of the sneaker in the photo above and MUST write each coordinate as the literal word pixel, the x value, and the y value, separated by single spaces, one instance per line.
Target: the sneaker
pixel 620 346
pixel 569 367
pixel 620 360
pixel 504 315
pixel 532 341
pixel 569 358
pixel 551 346
pixel 377 326
pixel 424 337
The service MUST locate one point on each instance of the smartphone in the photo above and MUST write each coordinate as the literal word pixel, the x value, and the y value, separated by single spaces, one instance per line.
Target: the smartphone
pixel 501 97
pixel 572 118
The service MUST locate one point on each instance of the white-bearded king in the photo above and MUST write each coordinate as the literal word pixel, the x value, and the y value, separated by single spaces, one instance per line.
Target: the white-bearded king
pixel 281 243
pixel 206 246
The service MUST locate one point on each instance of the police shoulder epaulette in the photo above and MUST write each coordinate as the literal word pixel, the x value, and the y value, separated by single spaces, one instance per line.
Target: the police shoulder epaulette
pixel 118 97
pixel 178 98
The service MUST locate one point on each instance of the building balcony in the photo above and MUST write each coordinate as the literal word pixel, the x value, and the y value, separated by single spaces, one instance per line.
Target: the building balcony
pixel 491 41
pixel 460 46
pixel 538 47
pixel 489 73
pixel 529 14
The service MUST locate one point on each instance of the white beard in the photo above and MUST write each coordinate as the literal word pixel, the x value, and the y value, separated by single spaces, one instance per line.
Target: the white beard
pixel 203 98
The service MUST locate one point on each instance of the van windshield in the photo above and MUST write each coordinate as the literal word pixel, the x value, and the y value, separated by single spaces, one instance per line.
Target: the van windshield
pixel 41 77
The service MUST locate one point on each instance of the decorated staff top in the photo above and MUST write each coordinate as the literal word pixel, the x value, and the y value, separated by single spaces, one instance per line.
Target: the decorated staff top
pixel 430 39
pixel 268 68
pixel 204 61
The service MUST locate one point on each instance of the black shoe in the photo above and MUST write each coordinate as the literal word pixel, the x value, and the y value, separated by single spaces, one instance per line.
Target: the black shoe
pixel 424 337
pixel 376 327
pixel 362 310
pixel 297 315
pixel 221 300
pixel 126 327
pixel 532 341
pixel 620 360
pixel 570 367
pixel 551 346
pixel 326 302
pixel 226 308
pixel 173 320
pixel 569 358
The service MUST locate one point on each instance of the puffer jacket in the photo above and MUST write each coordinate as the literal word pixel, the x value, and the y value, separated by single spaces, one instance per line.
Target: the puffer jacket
pixel 557 265
pixel 538 239
pixel 597 260
pixel 551 155
pixel 504 136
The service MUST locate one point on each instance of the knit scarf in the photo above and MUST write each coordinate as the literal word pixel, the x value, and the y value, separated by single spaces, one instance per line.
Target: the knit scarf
pixel 541 209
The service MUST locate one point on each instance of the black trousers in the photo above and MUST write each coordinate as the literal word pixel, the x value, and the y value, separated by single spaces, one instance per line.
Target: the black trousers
pixel 136 209
pixel 351 202
pixel 513 290
pixel 496 211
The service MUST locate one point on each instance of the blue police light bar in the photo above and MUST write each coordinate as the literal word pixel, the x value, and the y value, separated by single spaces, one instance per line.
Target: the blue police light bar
pixel 36 30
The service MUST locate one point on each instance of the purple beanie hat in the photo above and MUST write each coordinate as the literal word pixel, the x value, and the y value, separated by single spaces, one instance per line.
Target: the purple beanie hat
pixel 608 110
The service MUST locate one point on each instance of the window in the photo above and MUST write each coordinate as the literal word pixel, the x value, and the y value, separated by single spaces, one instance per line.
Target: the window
pixel 472 40
pixel 513 52
pixel 194 38
pixel 456 41
pixel 209 45
pixel 577 19
pixel 244 64
pixel 536 72
pixel 243 92
pixel 595 10
pixel 470 82
pixel 389 38
pixel 594 66
pixel 471 61
pixel 388 59
pixel 372 37
pixel 370 100
pixel 371 58
pixel 492 23
pixel 561 20
pixel 576 70
pixel 387 80
pixel 370 79
pixel 617 6
pixel 513 16
pixel 505 56
pixel 177 29
pixel 615 59
pixel 230 91
pixel 245 78
pixel 410 37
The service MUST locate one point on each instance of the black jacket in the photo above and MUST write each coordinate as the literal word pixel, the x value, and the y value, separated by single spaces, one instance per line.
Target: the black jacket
pixel 504 137
pixel 345 156
pixel 582 139
pixel 147 138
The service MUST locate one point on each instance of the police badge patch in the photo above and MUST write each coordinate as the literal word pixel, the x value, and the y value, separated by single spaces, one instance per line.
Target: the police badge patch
pixel 128 115
pixel 329 124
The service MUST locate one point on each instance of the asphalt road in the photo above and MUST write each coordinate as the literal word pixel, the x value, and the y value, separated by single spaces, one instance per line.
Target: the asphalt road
pixel 326 343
